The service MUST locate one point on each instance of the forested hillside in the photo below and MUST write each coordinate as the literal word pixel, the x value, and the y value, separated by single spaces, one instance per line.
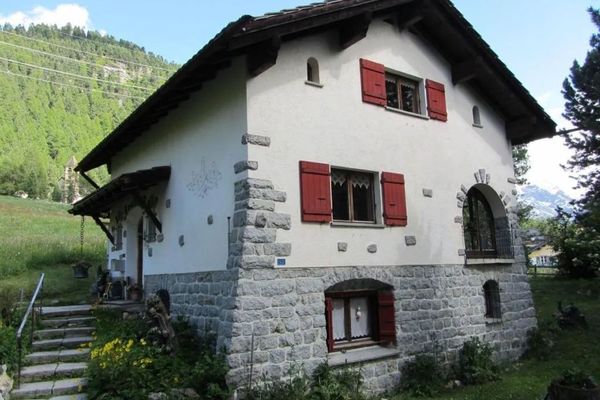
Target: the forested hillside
pixel 61 91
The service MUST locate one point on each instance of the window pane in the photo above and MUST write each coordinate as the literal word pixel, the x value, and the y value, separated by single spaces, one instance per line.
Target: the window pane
pixel 391 89
pixel 486 226
pixel 409 97
pixel 339 193
pixel 362 197
pixel 339 330
pixel 360 318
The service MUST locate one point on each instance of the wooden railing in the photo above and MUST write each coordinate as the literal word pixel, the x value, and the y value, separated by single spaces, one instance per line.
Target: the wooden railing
pixel 30 312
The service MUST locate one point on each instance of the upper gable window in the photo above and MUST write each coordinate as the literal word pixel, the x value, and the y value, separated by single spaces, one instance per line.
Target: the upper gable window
pixel 312 70
pixel 476 117
pixel 402 93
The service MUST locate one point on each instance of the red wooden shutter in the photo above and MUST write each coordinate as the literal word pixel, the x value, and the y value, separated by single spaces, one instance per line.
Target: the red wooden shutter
pixel 315 187
pixel 372 77
pixel 329 322
pixel 436 100
pixel 386 314
pixel 394 199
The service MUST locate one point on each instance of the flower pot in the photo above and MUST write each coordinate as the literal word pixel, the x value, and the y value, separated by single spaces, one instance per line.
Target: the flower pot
pixel 560 392
pixel 80 270
pixel 135 294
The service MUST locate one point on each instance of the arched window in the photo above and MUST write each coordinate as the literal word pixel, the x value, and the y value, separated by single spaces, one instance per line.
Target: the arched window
pixel 479 229
pixel 312 70
pixel 491 292
pixel 476 116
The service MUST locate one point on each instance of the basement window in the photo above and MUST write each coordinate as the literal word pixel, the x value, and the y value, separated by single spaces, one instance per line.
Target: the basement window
pixel 491 292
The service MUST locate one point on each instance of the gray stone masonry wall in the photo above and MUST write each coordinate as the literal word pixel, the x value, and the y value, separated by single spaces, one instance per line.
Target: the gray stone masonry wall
pixel 206 298
pixel 253 241
pixel 284 309
pixel 441 305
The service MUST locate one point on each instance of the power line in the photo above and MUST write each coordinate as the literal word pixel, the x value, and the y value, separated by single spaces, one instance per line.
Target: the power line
pixel 72 86
pixel 75 75
pixel 61 57
pixel 84 52
pixel 91 40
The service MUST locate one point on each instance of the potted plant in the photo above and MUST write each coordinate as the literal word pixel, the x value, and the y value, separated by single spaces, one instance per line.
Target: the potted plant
pixel 135 292
pixel 574 384
pixel 80 270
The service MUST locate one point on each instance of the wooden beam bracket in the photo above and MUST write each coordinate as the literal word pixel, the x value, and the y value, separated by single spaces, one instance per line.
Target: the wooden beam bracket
pixel 411 14
pixel 90 180
pixel 354 29
pixel 467 70
pixel 104 229
pixel 263 56
pixel 151 214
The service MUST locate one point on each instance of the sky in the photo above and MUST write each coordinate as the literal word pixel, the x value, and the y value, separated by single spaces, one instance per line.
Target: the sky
pixel 537 39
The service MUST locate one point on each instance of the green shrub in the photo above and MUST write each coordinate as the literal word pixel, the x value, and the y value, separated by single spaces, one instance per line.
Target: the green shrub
pixel 8 346
pixel 336 384
pixel 122 354
pixel 540 342
pixel 576 378
pixel 475 363
pixel 297 387
pixel 422 377
pixel 207 376
pixel 325 384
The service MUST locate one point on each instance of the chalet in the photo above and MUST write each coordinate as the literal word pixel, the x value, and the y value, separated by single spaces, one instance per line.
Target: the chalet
pixel 330 183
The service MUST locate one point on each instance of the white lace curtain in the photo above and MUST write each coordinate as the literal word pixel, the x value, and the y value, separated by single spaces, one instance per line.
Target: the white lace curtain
pixel 356 180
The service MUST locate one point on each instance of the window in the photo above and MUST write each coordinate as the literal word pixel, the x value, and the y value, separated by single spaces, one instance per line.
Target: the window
pixel 382 87
pixel 476 117
pixel 486 236
pixel 150 235
pixel 118 236
pixel 402 93
pixel 352 196
pixel 479 228
pixel 346 195
pixel 359 313
pixel 312 70
pixel 491 292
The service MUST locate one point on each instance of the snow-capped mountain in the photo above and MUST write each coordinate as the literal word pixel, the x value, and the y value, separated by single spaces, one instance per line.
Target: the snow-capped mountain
pixel 544 201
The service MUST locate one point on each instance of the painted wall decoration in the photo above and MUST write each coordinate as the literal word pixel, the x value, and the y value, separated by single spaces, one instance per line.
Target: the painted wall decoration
pixel 205 179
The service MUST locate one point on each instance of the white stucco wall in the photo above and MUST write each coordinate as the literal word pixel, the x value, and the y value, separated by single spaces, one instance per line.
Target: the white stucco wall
pixel 332 125
pixel 201 141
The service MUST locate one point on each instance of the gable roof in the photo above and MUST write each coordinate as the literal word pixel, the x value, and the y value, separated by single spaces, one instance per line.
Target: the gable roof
pixel 436 21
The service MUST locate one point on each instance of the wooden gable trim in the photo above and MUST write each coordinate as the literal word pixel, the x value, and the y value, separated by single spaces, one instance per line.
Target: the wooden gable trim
pixel 354 29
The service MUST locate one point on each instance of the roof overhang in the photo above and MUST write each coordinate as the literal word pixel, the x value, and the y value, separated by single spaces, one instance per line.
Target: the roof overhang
pixel 437 21
pixel 98 203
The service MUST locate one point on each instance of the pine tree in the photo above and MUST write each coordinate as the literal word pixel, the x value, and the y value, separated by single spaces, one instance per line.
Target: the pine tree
pixel 582 94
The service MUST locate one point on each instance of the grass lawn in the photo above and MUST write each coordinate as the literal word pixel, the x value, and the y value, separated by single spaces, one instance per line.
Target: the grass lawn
pixel 529 379
pixel 40 236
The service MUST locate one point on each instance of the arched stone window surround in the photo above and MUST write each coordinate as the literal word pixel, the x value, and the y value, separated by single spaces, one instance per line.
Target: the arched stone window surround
pixel 503 214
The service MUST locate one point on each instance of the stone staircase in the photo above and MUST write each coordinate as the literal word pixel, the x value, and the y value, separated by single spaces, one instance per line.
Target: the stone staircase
pixel 56 366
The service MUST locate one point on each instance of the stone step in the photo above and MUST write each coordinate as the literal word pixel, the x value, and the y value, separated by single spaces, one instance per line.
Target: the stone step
pixel 65 355
pixel 52 371
pixel 36 390
pixel 68 322
pixel 66 311
pixel 80 396
pixel 55 333
pixel 61 343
